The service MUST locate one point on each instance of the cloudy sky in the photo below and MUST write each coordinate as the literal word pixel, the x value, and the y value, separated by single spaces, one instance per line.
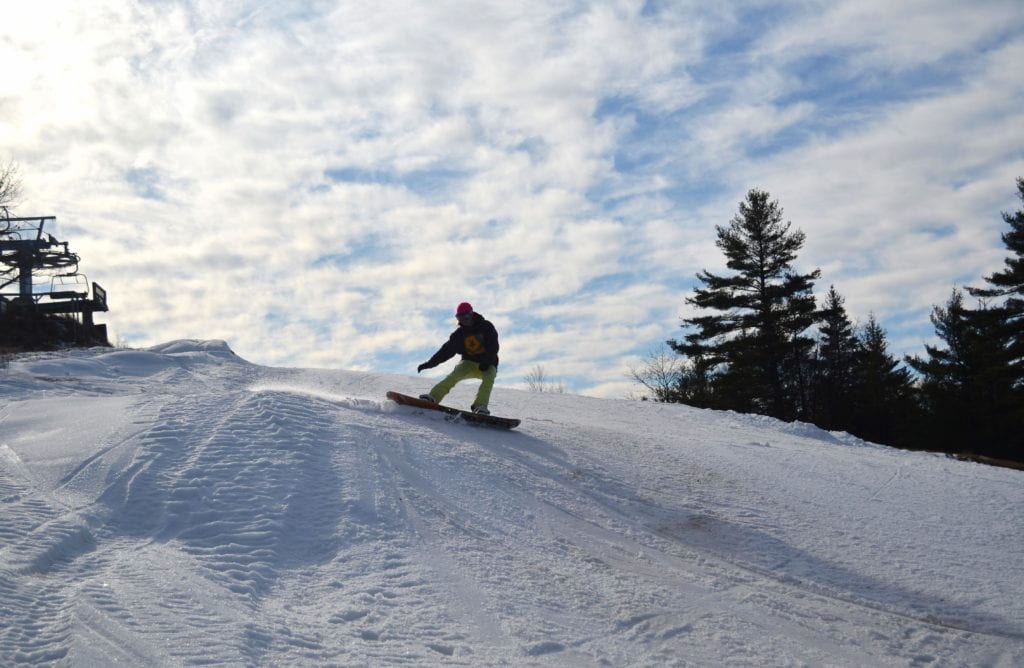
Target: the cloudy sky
pixel 320 182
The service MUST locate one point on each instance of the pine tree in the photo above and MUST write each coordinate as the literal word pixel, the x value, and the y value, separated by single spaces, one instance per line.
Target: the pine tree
pixel 1009 284
pixel 1001 318
pixel 834 370
pixel 966 388
pixel 884 403
pixel 753 352
pixel 944 378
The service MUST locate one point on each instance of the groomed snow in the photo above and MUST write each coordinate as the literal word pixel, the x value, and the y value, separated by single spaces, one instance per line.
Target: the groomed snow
pixel 178 505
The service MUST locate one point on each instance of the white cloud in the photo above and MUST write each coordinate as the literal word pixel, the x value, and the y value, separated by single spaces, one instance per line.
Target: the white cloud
pixel 893 37
pixel 911 201
pixel 320 183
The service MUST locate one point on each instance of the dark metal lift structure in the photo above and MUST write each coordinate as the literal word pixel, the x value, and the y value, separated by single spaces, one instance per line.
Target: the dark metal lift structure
pixel 25 250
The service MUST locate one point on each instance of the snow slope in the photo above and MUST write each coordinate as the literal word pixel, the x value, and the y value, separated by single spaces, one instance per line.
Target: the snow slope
pixel 178 505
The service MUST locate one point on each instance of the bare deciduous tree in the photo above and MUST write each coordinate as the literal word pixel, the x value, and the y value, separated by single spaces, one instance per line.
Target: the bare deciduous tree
pixel 10 186
pixel 537 381
pixel 660 374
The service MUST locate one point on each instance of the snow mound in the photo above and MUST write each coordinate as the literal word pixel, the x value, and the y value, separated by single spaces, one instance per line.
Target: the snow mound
pixel 178 505
pixel 194 348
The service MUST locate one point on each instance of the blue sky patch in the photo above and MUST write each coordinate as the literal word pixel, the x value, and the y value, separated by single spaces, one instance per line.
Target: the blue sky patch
pixel 145 182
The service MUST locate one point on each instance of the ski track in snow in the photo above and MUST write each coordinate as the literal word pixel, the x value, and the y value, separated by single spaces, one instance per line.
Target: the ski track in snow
pixel 178 506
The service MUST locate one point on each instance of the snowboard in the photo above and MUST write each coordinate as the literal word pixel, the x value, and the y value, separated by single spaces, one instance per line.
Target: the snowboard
pixel 466 416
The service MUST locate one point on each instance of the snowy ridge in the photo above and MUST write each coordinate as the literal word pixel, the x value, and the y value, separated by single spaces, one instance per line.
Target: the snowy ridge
pixel 178 505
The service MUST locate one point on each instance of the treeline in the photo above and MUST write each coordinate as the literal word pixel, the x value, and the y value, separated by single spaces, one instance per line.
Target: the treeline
pixel 762 344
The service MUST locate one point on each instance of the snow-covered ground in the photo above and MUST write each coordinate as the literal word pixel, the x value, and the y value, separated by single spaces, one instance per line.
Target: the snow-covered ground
pixel 178 505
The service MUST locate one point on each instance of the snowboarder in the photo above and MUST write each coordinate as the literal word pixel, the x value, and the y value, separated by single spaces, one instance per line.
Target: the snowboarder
pixel 476 340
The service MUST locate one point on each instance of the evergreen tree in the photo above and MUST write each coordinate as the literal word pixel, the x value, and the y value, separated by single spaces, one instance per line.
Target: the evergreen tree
pixel 966 388
pixel 944 378
pixel 1001 318
pixel 695 385
pixel 751 355
pixel 1009 284
pixel 834 370
pixel 885 406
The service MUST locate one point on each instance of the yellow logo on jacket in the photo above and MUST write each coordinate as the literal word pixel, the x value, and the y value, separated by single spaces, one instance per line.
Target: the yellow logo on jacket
pixel 474 346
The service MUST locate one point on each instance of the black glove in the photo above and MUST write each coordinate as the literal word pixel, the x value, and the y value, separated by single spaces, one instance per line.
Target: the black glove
pixel 422 367
pixel 484 367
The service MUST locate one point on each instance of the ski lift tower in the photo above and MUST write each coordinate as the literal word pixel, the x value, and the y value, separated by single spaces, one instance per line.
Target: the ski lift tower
pixel 25 249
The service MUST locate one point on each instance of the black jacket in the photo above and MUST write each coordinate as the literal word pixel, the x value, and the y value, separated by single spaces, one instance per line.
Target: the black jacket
pixel 477 342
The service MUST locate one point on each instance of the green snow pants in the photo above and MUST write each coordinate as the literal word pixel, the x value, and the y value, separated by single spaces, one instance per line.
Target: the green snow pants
pixel 462 371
